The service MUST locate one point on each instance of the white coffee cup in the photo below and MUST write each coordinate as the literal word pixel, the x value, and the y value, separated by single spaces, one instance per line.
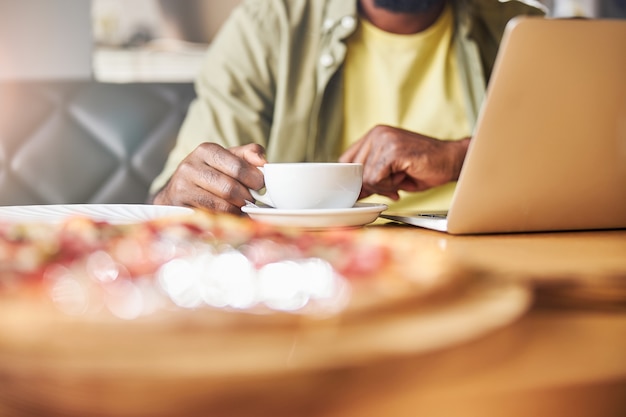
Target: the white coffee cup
pixel 311 185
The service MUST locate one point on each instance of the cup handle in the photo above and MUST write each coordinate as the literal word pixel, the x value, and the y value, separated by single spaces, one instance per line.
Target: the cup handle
pixel 263 198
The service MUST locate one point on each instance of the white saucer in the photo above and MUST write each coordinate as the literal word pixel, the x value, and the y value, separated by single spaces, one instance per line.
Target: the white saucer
pixel 359 215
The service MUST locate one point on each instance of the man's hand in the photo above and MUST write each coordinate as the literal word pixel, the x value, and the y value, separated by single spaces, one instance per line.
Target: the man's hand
pixel 215 178
pixel 394 159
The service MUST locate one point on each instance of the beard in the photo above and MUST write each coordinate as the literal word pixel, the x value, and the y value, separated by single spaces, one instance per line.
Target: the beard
pixel 405 6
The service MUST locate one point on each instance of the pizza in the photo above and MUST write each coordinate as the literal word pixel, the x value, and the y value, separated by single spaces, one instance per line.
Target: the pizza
pixel 191 310
pixel 210 262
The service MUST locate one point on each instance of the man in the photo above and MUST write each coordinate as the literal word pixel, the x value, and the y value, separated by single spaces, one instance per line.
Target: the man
pixel 394 84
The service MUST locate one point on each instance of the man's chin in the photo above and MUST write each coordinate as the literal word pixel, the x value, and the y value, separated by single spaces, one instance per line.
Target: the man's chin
pixel 406 6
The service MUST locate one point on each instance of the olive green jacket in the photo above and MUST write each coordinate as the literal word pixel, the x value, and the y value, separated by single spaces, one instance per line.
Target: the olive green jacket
pixel 273 75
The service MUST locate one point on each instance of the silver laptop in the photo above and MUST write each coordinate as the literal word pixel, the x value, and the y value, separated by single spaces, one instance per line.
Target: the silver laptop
pixel 549 149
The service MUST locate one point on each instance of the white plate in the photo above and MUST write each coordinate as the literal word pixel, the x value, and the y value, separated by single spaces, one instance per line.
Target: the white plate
pixel 359 215
pixel 112 213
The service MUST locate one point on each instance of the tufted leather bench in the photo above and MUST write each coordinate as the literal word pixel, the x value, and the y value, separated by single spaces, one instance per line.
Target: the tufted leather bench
pixel 84 141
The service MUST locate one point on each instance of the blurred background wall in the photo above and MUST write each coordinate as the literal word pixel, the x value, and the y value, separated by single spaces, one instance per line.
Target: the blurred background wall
pixel 45 39
pixel 124 22
pixel 64 34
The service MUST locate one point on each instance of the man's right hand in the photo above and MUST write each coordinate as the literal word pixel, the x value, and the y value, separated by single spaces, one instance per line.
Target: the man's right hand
pixel 215 178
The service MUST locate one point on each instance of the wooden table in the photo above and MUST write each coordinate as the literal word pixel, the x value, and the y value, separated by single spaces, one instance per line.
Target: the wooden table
pixel 566 357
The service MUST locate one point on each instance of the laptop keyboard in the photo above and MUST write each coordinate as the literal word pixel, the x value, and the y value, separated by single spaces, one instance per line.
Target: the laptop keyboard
pixel 434 215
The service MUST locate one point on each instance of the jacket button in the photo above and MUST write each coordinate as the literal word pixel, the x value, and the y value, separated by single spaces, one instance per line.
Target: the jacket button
pixel 348 22
pixel 327 60
pixel 328 24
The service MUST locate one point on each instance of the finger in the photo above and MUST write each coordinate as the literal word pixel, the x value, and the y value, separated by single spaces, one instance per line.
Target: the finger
pixel 224 187
pixel 348 155
pixel 233 166
pixel 205 179
pixel 411 185
pixel 208 201
pixel 182 191
pixel 197 185
pixel 392 195
pixel 253 153
pixel 357 152
pixel 388 187
pixel 366 192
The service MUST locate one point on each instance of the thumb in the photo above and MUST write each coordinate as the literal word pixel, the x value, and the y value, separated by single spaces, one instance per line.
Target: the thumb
pixel 252 153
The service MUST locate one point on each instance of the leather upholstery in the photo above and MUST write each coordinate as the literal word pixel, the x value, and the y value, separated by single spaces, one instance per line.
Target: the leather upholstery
pixel 84 141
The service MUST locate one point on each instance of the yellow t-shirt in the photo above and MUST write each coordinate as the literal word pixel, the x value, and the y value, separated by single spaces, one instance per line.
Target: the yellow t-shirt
pixel 406 81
